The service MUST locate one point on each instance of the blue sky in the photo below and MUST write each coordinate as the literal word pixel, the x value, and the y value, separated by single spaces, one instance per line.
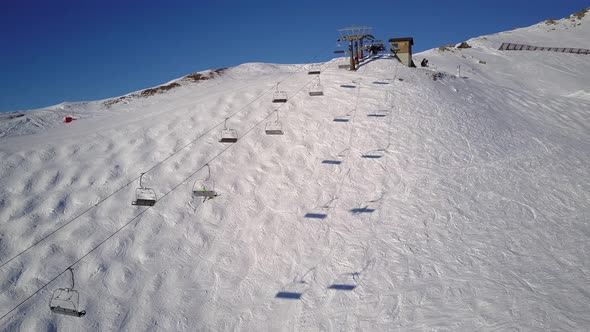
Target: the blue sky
pixel 55 51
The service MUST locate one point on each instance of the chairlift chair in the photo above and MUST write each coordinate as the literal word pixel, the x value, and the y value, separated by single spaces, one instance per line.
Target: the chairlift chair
pixel 274 127
pixel 317 89
pixel 205 187
pixel 279 96
pixel 66 301
pixel 314 70
pixel 228 135
pixel 144 196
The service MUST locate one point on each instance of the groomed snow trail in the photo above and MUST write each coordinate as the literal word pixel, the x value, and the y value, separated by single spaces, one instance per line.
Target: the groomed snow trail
pixel 394 202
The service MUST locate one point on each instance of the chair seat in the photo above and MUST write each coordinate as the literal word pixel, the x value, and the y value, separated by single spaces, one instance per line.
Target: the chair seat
pixel 205 193
pixel 144 202
pixel 228 140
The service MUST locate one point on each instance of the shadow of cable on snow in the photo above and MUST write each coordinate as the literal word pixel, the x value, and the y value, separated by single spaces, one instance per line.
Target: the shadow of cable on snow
pixel 368 60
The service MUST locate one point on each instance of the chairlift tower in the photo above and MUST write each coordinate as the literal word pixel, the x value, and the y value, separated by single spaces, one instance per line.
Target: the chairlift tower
pixel 361 49
pixel 353 35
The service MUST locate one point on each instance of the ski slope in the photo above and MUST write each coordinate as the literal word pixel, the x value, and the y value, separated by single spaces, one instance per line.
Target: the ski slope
pixel 393 202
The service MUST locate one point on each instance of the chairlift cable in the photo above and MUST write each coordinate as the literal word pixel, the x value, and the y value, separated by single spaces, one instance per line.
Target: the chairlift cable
pixel 149 170
pixel 142 212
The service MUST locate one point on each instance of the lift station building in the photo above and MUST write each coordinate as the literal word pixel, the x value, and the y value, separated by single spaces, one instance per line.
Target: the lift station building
pixel 401 48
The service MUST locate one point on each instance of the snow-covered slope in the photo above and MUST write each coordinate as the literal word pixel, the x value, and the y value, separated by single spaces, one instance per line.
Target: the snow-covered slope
pixel 394 202
pixel 541 72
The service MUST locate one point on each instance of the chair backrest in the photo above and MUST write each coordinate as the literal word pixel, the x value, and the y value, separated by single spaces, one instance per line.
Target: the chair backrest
pixel 280 95
pixel 229 133
pixel 205 193
pixel 145 193
pixel 274 128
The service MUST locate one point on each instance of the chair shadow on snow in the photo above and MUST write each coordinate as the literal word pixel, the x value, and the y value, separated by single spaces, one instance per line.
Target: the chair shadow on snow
pixel 349 86
pixel 379 114
pixel 365 209
pixel 295 289
pixel 341 120
pixel 288 295
pixel 331 162
pixel 374 154
pixel 350 281
pixel 371 156
pixel 318 210
pixel 345 282
pixel 344 287
pixel 316 215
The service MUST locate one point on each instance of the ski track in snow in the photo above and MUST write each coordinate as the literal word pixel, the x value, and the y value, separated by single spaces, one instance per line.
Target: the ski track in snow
pixel 414 204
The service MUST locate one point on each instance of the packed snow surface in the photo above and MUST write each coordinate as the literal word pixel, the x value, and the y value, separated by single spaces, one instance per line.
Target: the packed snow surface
pixel 402 199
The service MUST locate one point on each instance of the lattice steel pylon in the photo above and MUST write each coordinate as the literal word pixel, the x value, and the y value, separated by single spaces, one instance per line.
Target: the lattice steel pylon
pixel 354 35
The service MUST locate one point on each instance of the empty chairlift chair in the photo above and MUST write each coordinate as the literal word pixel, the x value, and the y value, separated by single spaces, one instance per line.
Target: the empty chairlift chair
pixel 279 96
pixel 228 135
pixel 66 301
pixel 205 186
pixel 144 196
pixel 314 70
pixel 317 89
pixel 274 127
